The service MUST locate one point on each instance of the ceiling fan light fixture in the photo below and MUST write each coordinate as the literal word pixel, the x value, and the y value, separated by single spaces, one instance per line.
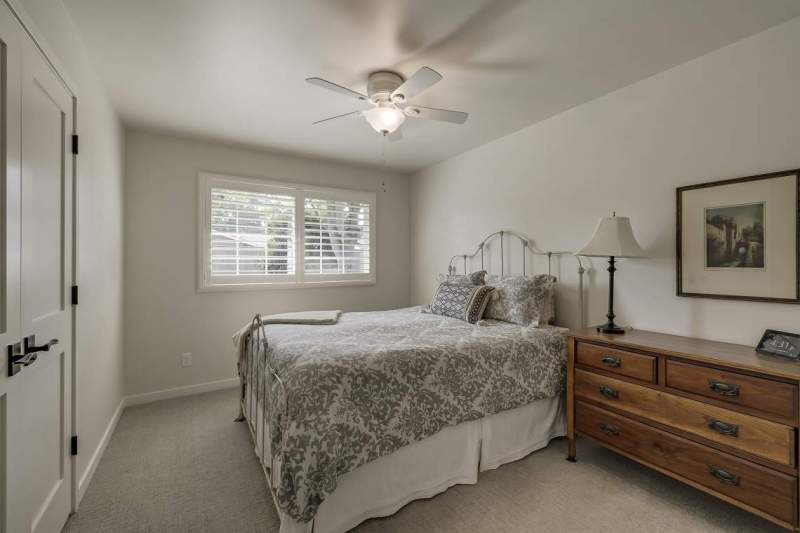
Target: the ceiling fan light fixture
pixel 384 118
pixel 389 92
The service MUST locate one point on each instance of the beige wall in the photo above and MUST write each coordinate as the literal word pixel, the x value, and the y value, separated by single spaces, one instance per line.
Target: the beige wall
pixel 99 383
pixel 733 112
pixel 166 316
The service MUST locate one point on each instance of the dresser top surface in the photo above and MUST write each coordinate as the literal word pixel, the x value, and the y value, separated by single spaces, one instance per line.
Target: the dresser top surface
pixel 723 353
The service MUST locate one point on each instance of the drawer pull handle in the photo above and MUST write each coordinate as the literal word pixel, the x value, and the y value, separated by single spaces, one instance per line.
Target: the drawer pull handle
pixel 608 429
pixel 609 360
pixel 730 430
pixel 609 393
pixel 723 476
pixel 725 389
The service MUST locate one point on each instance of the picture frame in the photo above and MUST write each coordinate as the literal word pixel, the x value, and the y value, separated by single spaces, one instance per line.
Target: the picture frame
pixel 780 343
pixel 739 239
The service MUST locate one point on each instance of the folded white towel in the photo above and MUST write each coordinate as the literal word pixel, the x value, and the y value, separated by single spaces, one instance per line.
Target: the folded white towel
pixel 299 317
pixel 303 317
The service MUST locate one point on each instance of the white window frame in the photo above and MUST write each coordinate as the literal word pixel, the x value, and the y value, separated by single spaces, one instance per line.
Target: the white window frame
pixel 207 283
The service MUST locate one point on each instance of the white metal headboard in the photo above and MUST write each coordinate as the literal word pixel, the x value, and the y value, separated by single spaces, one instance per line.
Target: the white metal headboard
pixel 527 247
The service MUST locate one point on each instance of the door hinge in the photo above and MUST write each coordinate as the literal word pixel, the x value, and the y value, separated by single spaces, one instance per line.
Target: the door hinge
pixel 73 445
pixel 75 144
pixel 74 295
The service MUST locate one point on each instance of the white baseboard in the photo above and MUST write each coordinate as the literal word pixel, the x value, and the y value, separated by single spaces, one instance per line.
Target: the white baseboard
pixel 87 476
pixel 166 394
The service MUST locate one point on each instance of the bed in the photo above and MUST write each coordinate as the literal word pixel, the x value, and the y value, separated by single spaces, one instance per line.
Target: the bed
pixel 353 420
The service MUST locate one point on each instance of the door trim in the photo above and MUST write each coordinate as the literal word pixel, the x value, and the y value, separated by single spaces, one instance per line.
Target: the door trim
pixel 41 43
pixel 75 494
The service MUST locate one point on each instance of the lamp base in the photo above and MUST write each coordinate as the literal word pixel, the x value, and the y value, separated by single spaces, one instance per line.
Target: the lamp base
pixel 610 328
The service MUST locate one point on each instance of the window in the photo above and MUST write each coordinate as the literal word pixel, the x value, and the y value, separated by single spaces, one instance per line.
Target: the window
pixel 252 234
pixel 255 233
pixel 336 234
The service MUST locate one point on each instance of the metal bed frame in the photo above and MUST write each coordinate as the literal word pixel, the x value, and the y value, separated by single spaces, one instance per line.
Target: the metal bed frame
pixel 527 247
pixel 257 357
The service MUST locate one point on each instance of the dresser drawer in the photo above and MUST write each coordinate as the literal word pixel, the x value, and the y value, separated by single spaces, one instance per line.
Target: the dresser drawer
pixel 750 434
pixel 767 490
pixel 773 397
pixel 630 364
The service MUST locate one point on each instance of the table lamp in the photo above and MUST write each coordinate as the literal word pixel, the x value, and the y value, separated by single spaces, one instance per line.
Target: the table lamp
pixel 613 238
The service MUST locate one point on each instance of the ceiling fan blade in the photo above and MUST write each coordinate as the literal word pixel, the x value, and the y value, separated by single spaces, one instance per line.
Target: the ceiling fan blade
pixel 396 135
pixel 431 113
pixel 325 84
pixel 421 80
pixel 337 116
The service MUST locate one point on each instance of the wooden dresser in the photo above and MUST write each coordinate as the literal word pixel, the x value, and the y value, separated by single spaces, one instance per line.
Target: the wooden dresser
pixel 717 416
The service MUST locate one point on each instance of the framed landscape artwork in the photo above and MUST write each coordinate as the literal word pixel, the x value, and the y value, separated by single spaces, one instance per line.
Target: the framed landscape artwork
pixel 740 239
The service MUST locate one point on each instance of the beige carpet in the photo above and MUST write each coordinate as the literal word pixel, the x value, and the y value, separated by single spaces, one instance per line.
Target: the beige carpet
pixel 184 466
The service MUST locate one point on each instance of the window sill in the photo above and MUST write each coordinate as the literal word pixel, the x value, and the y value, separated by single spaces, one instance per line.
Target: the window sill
pixel 239 287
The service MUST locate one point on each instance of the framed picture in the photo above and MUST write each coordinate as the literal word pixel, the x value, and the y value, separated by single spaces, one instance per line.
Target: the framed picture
pixel 780 343
pixel 739 239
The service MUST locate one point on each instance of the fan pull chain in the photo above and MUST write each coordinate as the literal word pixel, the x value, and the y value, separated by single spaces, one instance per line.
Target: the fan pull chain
pixel 383 158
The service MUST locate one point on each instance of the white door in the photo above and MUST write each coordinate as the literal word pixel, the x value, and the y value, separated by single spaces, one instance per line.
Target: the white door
pixel 37 219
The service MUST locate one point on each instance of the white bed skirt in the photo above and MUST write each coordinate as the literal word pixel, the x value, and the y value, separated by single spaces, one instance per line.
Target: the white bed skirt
pixel 453 456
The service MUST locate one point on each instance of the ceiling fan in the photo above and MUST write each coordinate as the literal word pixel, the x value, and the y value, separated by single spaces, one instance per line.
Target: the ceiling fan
pixel 389 92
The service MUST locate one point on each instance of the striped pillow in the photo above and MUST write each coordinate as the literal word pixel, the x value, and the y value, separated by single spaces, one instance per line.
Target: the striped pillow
pixel 465 302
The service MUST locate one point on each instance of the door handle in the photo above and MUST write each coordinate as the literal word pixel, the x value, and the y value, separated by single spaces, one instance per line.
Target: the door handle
pixel 17 360
pixel 29 346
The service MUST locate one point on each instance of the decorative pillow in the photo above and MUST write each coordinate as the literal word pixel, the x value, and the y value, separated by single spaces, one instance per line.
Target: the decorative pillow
pixel 524 300
pixel 465 302
pixel 474 278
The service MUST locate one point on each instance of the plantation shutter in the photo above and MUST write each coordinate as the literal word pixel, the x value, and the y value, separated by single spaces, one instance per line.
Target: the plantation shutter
pixel 336 236
pixel 252 233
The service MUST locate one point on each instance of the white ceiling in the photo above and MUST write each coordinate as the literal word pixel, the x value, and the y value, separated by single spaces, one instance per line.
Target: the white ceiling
pixel 234 71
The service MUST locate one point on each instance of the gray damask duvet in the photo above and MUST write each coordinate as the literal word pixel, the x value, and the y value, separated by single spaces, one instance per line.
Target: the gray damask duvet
pixel 377 381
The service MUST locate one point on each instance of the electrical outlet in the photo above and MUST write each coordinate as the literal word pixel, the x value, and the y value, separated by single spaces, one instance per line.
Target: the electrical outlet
pixel 186 359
